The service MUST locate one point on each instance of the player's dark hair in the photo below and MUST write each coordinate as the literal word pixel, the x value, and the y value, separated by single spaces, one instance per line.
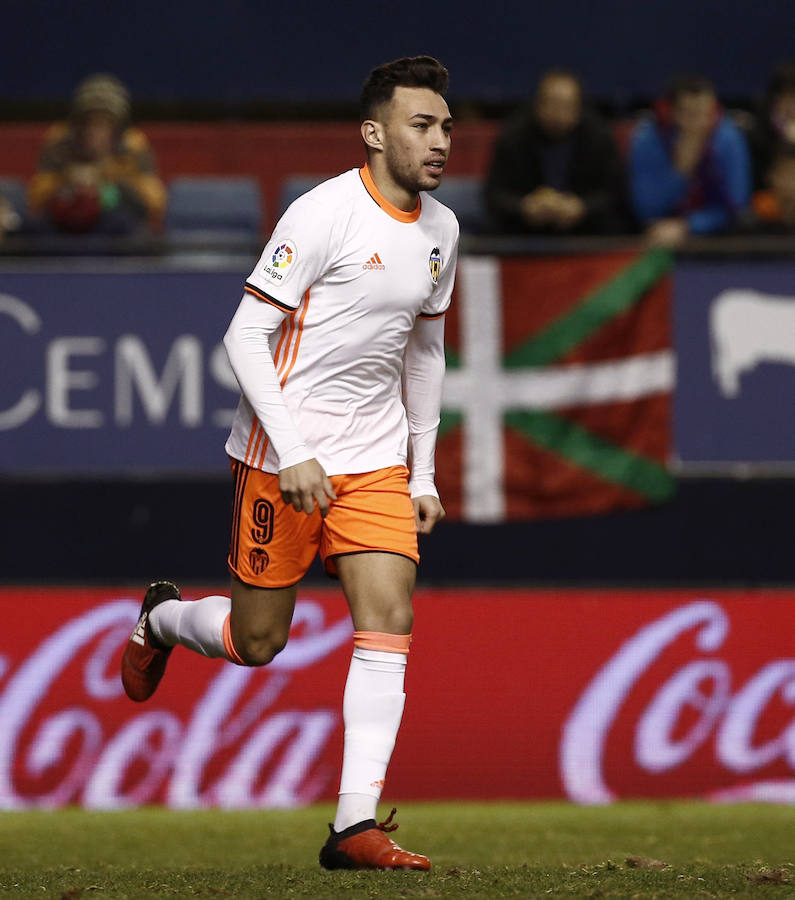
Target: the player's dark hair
pixel 560 72
pixel 782 80
pixel 411 71
pixel 688 84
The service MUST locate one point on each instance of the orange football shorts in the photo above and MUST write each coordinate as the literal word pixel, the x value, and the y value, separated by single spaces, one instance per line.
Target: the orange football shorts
pixel 272 545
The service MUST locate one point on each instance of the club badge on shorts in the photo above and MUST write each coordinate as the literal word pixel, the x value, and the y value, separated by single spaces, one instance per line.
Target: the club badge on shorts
pixel 435 264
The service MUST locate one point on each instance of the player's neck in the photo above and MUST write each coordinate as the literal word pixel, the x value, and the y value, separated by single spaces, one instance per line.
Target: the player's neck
pixel 398 196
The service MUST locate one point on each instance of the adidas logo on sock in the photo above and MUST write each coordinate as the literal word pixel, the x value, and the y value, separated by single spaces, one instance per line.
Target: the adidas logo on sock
pixel 374 263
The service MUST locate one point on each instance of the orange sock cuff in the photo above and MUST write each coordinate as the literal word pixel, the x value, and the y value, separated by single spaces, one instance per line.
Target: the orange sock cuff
pixel 229 647
pixel 379 640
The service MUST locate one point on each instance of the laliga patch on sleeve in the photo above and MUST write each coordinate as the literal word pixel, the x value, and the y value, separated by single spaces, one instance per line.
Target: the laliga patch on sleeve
pixel 279 262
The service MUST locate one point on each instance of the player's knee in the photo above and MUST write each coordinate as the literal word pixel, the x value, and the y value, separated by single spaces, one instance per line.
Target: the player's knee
pixel 259 650
pixel 396 619
pixel 401 622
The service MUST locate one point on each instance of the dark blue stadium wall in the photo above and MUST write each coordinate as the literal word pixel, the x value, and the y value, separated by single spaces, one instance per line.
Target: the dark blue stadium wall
pixel 716 531
pixel 243 50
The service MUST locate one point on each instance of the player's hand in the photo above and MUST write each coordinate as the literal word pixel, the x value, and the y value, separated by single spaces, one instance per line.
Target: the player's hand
pixel 569 211
pixel 537 207
pixel 667 233
pixel 305 485
pixel 428 510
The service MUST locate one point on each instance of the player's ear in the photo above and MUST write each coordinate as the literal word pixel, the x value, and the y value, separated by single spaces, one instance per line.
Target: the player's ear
pixel 373 134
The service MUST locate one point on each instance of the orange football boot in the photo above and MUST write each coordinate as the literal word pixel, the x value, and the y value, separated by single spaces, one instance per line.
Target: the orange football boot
pixel 144 660
pixel 366 846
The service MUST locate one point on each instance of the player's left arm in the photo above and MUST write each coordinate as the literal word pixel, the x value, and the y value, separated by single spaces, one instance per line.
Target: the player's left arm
pixel 423 375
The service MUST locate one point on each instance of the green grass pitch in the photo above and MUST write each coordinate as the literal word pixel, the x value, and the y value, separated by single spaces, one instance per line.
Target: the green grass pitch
pixel 644 850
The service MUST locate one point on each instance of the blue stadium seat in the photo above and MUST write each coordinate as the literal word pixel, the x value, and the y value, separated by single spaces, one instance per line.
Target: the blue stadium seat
pixel 464 195
pixel 295 185
pixel 229 205
pixel 14 190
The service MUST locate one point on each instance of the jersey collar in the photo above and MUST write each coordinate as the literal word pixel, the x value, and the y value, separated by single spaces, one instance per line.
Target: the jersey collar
pixel 389 208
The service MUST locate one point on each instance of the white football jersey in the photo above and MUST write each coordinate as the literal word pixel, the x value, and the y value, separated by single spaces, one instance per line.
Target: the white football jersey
pixel 352 272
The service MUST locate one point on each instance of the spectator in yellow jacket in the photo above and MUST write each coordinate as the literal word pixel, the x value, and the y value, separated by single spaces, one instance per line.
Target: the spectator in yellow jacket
pixel 96 173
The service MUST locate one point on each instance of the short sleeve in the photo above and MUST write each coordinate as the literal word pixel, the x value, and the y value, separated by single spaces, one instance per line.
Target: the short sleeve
pixel 439 301
pixel 296 255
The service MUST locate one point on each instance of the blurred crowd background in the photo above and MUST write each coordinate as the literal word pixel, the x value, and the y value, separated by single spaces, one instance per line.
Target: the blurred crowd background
pixel 667 120
pixel 685 166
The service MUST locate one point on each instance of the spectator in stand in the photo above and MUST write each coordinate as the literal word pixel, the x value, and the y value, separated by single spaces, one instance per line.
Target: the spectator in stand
pixel 9 218
pixel 774 127
pixel 96 173
pixel 556 168
pixel 774 208
pixel 689 166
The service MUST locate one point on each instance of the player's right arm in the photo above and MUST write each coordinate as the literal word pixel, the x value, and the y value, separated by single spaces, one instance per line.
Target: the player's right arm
pixel 302 480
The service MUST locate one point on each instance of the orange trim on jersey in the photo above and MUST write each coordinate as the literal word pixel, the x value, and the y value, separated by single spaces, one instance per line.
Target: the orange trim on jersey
pixel 285 329
pixel 254 428
pixel 263 450
pixel 286 349
pixel 297 344
pixel 379 640
pixel 431 315
pixel 229 647
pixel 258 441
pixel 389 208
pixel 257 431
pixel 256 448
pixel 260 296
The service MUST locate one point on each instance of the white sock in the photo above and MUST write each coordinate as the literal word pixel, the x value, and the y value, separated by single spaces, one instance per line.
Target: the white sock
pixel 372 709
pixel 197 624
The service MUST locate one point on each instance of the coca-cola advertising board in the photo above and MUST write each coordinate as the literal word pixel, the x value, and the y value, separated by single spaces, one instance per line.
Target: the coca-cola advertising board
pixel 590 695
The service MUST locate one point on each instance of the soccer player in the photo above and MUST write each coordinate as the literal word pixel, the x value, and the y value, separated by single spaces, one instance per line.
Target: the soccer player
pixel 338 348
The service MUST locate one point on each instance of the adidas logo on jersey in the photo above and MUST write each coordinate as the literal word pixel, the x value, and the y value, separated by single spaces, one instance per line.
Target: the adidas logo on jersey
pixel 374 263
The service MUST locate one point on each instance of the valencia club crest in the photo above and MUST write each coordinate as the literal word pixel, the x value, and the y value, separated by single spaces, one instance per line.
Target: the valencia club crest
pixel 435 264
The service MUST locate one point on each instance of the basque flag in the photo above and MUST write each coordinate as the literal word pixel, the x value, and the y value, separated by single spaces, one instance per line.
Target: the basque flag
pixel 557 399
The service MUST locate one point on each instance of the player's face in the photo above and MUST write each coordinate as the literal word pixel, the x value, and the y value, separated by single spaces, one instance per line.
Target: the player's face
pixel 416 138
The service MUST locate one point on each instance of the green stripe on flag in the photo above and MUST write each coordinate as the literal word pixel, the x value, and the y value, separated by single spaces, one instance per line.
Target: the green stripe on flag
pixel 578 445
pixel 448 421
pixel 608 301
pixel 451 358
